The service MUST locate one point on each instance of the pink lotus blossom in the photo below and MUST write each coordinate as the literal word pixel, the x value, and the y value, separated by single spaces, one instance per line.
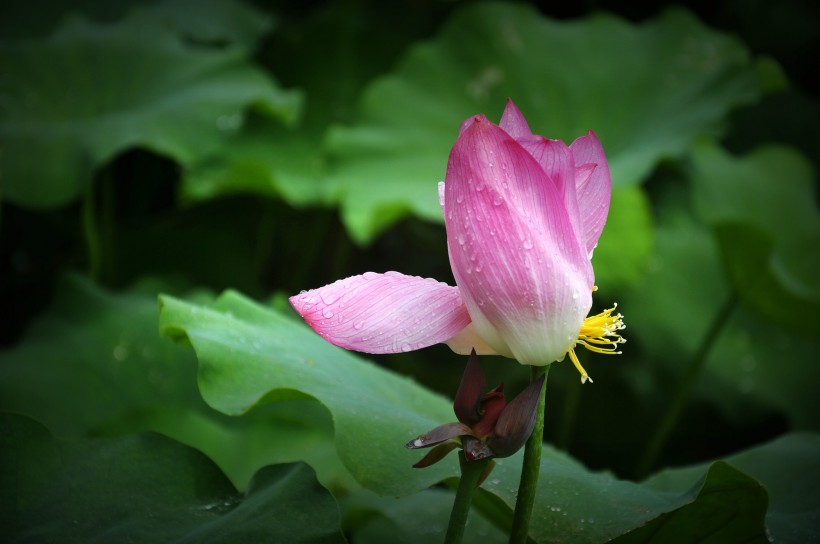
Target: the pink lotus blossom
pixel 523 214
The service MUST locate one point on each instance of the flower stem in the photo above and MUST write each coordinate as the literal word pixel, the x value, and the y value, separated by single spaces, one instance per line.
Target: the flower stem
pixel 531 466
pixel 685 387
pixel 471 472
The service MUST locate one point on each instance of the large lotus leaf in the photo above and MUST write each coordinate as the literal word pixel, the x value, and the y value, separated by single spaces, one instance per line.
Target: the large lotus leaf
pixel 647 90
pixel 266 158
pixel 765 208
pixel 730 507
pixel 788 469
pixel 684 295
pixel 147 488
pixel 94 358
pixel 248 353
pixel 73 101
pixel 93 363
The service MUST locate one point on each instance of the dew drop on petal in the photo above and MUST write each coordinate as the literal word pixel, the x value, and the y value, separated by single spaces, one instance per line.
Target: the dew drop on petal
pixel 528 243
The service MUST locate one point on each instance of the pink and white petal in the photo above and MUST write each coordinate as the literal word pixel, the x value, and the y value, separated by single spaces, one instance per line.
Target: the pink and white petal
pixel 522 272
pixel 467 340
pixel 513 121
pixel 594 188
pixel 383 313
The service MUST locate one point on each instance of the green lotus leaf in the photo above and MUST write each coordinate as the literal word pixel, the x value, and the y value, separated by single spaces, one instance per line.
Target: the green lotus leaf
pixel 787 467
pixel 752 366
pixel 148 488
pixel 73 101
pixel 764 208
pixel 265 158
pixel 93 364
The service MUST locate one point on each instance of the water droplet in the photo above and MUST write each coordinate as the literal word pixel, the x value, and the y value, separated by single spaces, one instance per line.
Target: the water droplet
pixel 358 324
pixel 459 198
pixel 229 123
pixel 575 294
pixel 120 352
pixel 327 312
pixel 461 239
pixel 498 199
pixel 528 243
pixel 406 347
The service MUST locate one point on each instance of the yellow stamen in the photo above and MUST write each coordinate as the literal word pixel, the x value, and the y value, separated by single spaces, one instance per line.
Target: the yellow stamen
pixel 599 333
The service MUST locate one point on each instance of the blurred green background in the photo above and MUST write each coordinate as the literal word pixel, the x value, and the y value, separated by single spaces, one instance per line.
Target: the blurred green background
pixel 185 148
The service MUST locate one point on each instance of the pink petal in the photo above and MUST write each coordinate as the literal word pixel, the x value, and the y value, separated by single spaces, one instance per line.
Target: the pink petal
pixel 524 276
pixel 513 122
pixel 557 160
pixel 383 313
pixel 593 185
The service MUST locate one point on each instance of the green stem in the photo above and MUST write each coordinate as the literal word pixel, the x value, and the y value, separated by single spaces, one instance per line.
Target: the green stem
pixel 471 472
pixel 91 233
pixel 685 387
pixel 531 466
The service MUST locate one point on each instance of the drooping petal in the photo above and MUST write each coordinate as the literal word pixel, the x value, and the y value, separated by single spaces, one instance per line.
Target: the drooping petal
pixel 524 276
pixel 438 435
pixel 513 121
pixel 593 185
pixel 383 313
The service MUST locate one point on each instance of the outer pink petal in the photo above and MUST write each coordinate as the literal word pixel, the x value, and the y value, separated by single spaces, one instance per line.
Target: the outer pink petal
pixel 513 122
pixel 383 313
pixel 524 276
pixel 593 187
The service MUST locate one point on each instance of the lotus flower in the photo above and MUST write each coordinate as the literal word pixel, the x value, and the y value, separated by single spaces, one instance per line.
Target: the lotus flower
pixel 523 214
